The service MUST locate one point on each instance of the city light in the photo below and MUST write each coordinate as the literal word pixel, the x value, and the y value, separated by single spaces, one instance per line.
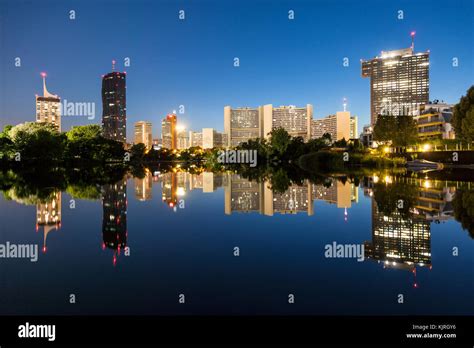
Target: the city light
pixel 426 147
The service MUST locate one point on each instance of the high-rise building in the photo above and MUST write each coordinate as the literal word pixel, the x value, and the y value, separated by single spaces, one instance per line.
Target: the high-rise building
pixel 242 124
pixel 48 107
pixel 338 126
pixel 143 134
pixel 399 82
pixel 114 106
pixel 295 120
pixel 168 132
pixel 195 139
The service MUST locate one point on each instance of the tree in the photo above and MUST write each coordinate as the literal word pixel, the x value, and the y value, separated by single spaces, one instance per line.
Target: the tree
pixel 384 128
pixel 399 130
pixel 460 113
pixel 137 151
pixel 38 140
pixel 79 133
pixel 279 141
pixel 467 126
pixel 405 132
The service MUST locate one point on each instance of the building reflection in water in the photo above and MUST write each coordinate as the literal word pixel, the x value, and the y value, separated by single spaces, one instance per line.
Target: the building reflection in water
pixel 48 216
pixel 403 241
pixel 114 218
pixel 144 186
pixel 242 195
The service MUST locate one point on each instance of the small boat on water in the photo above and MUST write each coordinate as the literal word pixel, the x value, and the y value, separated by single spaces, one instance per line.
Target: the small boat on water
pixel 423 165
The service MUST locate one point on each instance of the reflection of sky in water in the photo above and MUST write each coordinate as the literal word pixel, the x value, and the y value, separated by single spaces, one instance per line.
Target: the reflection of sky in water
pixel 182 230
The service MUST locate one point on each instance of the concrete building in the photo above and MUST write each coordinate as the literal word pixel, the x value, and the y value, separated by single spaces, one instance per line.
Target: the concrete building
pixel 295 120
pixel 367 137
pixel 353 128
pixel 182 139
pixel 195 139
pixel 338 126
pixel 242 124
pixel 211 138
pixel 399 82
pixel 434 121
pixel 143 134
pixel 48 107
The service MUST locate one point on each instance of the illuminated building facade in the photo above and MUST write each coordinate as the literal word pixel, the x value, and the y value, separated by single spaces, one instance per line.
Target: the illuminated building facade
pixel 169 136
pixel 339 126
pixel 434 121
pixel 143 134
pixel 144 186
pixel 295 120
pixel 242 124
pixel 48 215
pixel 114 106
pixel 399 82
pixel 399 241
pixel 48 107
pixel 114 218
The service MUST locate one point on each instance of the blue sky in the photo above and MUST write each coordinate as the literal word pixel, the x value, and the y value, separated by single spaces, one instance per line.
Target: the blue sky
pixel 190 62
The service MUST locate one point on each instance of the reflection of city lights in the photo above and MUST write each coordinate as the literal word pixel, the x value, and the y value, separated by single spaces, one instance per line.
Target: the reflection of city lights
pixel 427 184
pixel 180 191
pixel 426 147
pixel 375 178
pixel 388 179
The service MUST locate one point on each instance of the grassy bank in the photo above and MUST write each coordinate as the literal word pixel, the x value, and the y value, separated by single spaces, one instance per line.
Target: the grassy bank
pixel 325 161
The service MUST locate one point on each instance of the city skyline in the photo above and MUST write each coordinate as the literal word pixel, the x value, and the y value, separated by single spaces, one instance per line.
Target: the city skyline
pixel 152 98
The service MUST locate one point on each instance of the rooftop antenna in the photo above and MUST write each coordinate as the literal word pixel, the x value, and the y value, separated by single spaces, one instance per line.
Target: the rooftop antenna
pixel 113 65
pixel 344 104
pixel 412 34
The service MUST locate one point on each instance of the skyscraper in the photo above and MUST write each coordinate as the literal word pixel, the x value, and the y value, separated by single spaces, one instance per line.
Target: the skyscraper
pixel 114 106
pixel 143 134
pixel 399 82
pixel 48 107
pixel 168 132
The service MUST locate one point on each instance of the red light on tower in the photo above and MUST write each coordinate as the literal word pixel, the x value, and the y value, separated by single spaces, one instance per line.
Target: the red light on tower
pixel 43 74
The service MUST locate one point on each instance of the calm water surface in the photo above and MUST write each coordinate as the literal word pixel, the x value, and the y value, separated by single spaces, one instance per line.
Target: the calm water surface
pixel 181 231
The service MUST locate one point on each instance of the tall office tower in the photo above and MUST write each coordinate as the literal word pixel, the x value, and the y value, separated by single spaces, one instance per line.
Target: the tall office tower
pixel 48 215
pixel 399 82
pixel 338 126
pixel 195 139
pixel 295 120
pixel 353 128
pixel 48 107
pixel 242 124
pixel 114 218
pixel 143 134
pixel 168 132
pixel 182 139
pixel 114 106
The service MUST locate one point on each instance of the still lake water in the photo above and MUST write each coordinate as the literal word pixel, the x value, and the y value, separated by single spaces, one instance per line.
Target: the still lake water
pixel 181 231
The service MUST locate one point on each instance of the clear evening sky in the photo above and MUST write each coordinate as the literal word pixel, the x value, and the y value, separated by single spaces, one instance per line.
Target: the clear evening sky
pixel 190 62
